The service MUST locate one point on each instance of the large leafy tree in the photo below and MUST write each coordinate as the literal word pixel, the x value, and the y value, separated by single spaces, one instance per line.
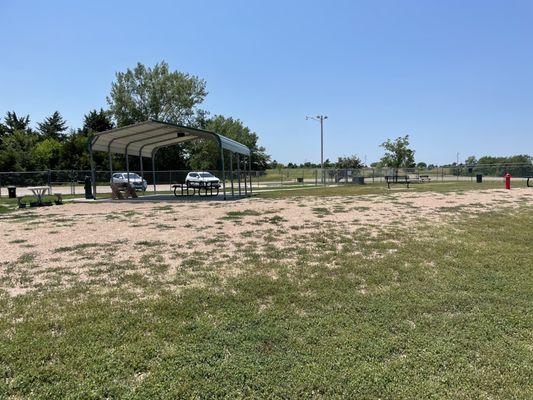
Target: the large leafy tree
pixel 16 152
pixel 206 154
pixel 17 141
pixel 398 154
pixel 46 153
pixel 471 160
pixel 53 127
pixel 351 162
pixel 142 93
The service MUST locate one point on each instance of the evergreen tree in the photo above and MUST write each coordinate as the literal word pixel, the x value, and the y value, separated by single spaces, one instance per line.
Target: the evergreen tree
pixel 13 123
pixel 53 127
pixel 97 121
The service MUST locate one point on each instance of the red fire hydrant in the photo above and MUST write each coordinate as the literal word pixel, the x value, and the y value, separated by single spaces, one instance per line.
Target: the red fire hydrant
pixel 507 177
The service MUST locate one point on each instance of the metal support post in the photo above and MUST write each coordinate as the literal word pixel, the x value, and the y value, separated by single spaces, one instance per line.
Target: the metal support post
pixel 153 170
pixel 223 172
pixel 93 175
pixel 245 179
pixel 239 172
pixel 250 169
pixel 231 172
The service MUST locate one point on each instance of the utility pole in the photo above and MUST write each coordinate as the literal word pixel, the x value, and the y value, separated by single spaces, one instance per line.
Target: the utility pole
pixel 457 166
pixel 320 118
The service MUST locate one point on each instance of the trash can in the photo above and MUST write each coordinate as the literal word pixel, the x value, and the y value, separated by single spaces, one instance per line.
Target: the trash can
pixel 360 180
pixel 479 178
pixel 88 188
pixel 300 180
pixel 12 192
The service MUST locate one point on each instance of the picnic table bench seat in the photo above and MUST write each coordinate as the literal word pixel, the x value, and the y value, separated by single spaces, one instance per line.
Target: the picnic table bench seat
pixel 184 189
pixel 22 204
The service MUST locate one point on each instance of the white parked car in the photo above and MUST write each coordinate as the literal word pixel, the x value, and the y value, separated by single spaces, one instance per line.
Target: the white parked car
pixel 202 179
pixel 121 178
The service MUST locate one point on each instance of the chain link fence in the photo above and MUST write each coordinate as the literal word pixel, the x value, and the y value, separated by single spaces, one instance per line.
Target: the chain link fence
pixel 313 176
pixel 72 181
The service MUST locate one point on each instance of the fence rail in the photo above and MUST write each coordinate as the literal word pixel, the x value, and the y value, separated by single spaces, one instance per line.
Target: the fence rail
pixel 71 181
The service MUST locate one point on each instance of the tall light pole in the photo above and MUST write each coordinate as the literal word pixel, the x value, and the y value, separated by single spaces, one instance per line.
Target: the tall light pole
pixel 320 118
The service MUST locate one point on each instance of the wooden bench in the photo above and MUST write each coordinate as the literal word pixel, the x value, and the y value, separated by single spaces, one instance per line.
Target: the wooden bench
pixel 398 179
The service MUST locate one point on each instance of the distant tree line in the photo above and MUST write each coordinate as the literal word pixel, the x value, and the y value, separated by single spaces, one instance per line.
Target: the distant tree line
pixel 51 145
pixel 349 162
pixel 398 154
pixel 136 95
pixel 517 165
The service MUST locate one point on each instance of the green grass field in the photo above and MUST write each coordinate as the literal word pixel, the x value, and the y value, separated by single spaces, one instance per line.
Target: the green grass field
pixel 445 313
pixel 378 188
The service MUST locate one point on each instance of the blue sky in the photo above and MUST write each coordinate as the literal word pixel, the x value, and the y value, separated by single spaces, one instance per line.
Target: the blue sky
pixel 455 75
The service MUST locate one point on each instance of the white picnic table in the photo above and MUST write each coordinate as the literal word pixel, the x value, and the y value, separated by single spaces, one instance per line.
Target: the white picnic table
pixel 39 192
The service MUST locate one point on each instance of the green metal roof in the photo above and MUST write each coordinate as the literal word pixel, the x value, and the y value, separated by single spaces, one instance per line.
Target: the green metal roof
pixel 144 138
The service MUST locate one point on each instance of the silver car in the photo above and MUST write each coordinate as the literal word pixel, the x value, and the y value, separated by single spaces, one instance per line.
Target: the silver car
pixel 202 179
pixel 121 178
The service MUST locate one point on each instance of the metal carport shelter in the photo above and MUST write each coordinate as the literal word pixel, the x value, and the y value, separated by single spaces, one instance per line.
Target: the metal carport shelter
pixel 144 139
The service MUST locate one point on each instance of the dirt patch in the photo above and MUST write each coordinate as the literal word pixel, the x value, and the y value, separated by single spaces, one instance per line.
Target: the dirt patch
pixel 191 243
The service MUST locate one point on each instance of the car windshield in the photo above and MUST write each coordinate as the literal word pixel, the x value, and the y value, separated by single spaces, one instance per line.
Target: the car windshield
pixel 206 175
pixel 132 176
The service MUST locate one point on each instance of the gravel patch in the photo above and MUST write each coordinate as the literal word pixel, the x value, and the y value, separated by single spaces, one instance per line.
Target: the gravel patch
pixel 85 242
